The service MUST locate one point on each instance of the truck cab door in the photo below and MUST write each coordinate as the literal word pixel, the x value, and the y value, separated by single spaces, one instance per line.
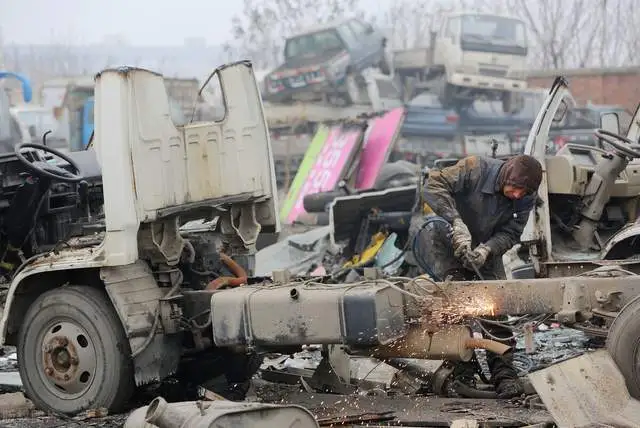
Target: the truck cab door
pixel 634 128
pixel 558 102
pixel 87 122
pixel 447 44
pixel 355 47
pixel 365 36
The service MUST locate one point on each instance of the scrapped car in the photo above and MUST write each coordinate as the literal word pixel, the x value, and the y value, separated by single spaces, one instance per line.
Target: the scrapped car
pixel 324 63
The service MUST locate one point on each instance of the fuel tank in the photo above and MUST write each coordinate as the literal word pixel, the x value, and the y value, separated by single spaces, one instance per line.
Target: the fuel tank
pixel 308 313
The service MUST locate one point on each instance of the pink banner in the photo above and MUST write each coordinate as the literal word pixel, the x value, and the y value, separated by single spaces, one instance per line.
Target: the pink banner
pixel 379 138
pixel 328 168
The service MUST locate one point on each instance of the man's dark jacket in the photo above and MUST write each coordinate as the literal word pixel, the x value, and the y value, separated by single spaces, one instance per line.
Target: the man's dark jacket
pixel 471 191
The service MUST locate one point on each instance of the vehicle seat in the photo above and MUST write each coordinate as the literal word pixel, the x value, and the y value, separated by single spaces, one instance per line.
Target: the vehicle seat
pixel 88 164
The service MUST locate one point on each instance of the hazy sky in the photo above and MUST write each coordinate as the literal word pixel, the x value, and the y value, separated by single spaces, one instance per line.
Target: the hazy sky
pixel 140 22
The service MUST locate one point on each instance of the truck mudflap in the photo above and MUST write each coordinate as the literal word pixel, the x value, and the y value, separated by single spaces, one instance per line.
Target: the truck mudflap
pixel 299 313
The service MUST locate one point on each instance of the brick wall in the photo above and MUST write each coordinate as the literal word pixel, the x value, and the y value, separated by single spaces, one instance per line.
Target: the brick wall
pixel 618 86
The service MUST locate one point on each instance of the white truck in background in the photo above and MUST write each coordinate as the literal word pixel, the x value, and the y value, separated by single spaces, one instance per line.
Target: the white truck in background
pixel 472 55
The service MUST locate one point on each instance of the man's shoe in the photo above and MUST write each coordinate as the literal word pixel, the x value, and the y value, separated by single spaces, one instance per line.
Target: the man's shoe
pixel 509 388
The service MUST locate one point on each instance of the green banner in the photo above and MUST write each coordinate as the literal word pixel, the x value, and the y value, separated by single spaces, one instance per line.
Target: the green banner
pixel 303 171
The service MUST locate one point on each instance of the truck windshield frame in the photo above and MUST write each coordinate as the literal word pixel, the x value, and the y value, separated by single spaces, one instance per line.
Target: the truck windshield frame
pixel 495 34
pixel 312 44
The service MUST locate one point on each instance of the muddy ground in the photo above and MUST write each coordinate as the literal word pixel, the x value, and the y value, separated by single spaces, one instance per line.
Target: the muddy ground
pixel 553 344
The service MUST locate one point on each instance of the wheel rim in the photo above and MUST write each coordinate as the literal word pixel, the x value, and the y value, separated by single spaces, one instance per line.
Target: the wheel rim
pixel 68 361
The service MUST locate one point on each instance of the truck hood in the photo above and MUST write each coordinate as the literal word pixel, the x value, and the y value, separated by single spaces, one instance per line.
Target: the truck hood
pixel 299 64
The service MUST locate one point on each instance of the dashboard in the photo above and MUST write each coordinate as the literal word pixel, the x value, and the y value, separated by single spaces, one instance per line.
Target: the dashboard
pixel 569 172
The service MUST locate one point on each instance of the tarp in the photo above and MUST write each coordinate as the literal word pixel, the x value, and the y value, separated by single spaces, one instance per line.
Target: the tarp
pixel 303 171
pixel 328 166
pixel 334 151
pixel 380 138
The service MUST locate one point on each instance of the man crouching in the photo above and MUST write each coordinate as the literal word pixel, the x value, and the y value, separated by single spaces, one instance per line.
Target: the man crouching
pixel 481 206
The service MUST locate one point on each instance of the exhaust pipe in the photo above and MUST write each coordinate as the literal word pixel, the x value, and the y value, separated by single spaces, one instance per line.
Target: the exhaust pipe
pixel 160 414
pixel 453 343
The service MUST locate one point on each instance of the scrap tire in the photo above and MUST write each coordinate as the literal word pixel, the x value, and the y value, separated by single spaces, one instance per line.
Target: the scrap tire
pixel 623 343
pixel 84 316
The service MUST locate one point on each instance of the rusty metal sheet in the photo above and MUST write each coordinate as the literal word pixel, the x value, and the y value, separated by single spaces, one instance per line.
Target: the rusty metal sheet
pixel 587 391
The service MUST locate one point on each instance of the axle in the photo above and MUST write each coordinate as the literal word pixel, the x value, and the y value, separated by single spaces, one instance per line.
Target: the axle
pixel 404 316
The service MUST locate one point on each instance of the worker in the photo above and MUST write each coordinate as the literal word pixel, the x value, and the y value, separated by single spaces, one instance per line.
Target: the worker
pixel 481 206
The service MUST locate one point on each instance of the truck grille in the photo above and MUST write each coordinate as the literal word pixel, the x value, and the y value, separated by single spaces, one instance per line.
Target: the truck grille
pixel 296 79
pixel 493 72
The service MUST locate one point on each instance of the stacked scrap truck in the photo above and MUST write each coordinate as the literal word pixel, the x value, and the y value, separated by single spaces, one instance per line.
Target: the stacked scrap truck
pixel 344 69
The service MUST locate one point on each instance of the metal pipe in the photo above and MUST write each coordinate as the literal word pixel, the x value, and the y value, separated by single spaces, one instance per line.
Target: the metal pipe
pixel 531 296
pixel 159 413
pixel 487 344
pixel 452 342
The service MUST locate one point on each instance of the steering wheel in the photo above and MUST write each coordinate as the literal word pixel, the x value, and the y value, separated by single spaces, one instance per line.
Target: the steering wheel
pixel 44 169
pixel 629 148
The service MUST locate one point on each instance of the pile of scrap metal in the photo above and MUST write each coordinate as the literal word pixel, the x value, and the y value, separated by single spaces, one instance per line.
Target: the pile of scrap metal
pixel 368 239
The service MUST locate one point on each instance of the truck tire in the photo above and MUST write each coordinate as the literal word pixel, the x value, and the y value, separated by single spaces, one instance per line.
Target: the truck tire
pixel 623 343
pixel 73 353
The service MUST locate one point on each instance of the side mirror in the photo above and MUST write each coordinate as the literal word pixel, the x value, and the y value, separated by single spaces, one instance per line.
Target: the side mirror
pixel 32 131
pixel 610 122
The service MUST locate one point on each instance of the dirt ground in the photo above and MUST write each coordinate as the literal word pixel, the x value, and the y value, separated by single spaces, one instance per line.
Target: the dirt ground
pixel 334 410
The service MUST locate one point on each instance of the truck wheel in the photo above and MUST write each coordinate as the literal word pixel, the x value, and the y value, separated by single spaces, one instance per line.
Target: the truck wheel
pixel 623 343
pixel 73 353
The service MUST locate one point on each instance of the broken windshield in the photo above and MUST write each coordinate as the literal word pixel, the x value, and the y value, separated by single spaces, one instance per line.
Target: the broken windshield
pixel 494 31
pixel 313 44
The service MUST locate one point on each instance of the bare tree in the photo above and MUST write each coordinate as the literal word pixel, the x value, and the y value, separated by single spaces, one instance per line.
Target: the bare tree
pixel 409 22
pixel 259 32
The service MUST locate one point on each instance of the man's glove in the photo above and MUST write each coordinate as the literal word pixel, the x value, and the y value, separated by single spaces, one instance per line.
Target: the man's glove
pixel 479 255
pixel 460 238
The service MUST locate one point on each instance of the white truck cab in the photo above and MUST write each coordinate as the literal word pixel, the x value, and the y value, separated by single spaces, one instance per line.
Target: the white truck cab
pixel 472 55
pixel 474 47
pixel 97 310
